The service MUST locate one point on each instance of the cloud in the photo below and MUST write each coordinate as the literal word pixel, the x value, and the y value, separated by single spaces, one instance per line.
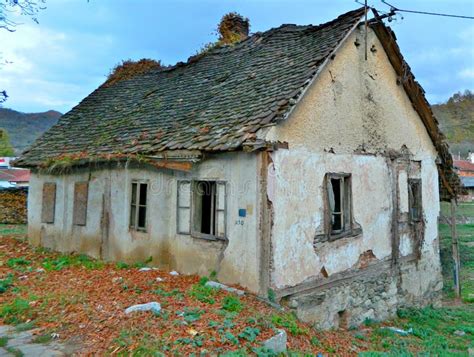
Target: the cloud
pixel 45 68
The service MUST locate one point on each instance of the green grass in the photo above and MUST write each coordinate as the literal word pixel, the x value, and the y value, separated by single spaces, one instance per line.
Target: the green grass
pixel 463 209
pixel 13 229
pixel 14 351
pixel 16 311
pixel 3 341
pixel 65 261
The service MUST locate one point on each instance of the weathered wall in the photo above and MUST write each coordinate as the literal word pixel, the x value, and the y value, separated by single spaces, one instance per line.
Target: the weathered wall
pixel 13 205
pixel 353 119
pixel 107 232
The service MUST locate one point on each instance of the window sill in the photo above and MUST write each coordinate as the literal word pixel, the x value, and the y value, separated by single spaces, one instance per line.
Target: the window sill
pixel 205 236
pixel 321 238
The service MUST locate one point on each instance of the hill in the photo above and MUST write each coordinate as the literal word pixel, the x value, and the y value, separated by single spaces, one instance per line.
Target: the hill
pixel 25 128
pixel 456 119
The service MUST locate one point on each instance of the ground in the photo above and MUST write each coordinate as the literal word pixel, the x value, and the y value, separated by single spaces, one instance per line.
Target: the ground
pixel 78 304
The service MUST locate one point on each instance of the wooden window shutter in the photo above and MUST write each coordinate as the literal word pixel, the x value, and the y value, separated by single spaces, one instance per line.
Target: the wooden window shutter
pixel 183 225
pixel 221 210
pixel 49 202
pixel 80 203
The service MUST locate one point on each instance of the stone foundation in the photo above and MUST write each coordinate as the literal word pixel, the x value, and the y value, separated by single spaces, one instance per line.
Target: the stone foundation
pixel 374 294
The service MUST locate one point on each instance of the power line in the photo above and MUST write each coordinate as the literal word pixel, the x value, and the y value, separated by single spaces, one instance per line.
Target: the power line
pixel 393 8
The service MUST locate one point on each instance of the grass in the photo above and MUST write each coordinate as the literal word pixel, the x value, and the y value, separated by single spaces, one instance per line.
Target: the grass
pixel 3 341
pixel 465 209
pixel 10 229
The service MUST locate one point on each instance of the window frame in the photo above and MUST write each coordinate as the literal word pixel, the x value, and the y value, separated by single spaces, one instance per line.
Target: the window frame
pixel 192 231
pixel 137 205
pixel 412 200
pixel 348 228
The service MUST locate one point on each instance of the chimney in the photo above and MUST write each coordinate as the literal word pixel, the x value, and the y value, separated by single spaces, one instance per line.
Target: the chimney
pixel 233 28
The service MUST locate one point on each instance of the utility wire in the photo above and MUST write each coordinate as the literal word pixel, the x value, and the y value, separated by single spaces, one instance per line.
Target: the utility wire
pixel 427 13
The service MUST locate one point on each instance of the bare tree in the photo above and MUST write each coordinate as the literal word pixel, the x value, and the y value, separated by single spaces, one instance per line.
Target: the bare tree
pixel 8 10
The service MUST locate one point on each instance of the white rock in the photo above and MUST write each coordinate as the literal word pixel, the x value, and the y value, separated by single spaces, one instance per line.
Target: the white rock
pixel 118 279
pixel 174 273
pixel 145 269
pixel 277 343
pixel 399 331
pixel 459 333
pixel 216 285
pixel 40 270
pixel 159 279
pixel 151 306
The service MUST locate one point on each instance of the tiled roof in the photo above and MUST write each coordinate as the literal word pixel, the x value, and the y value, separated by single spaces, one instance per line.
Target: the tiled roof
pixel 215 102
pixel 463 165
pixel 15 175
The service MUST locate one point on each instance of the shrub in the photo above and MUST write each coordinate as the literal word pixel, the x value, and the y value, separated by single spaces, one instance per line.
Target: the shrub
pixel 232 304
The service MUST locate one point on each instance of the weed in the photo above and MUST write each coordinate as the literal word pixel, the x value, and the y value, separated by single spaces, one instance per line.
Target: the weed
pixel 25 326
pixel 65 261
pixel 289 322
pixel 17 311
pixel 249 333
pixel 122 265
pixel 232 304
pixel 315 342
pixel 143 264
pixel 271 295
pixel 18 263
pixel 44 338
pixel 14 351
pixel 191 315
pixel 203 293
pixel 229 336
pixel 213 275
pixel 6 283
pixel 3 341
pixel 175 293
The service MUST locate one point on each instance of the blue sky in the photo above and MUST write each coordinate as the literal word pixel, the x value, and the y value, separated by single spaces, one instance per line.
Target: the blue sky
pixel 62 59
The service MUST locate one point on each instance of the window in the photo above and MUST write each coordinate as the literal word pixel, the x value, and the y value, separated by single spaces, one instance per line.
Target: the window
pixel 80 203
pixel 339 203
pixel 201 208
pixel 138 206
pixel 414 199
pixel 49 202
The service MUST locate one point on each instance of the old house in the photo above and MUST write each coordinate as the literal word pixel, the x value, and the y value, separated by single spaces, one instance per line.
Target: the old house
pixel 294 161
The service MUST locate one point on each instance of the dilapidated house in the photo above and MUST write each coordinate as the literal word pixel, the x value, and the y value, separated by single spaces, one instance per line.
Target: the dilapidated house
pixel 294 161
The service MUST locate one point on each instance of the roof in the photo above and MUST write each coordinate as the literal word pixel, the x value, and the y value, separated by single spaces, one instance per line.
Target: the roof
pixel 214 102
pixel 463 165
pixel 467 181
pixel 15 175
pixel 218 100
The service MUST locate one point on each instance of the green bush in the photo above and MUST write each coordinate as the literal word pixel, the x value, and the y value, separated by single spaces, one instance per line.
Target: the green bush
pixel 232 304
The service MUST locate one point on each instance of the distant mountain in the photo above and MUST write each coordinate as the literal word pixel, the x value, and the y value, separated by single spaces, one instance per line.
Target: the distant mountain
pixel 25 128
pixel 456 120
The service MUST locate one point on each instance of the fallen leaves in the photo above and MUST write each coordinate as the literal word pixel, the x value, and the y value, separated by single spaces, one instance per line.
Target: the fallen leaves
pixel 85 300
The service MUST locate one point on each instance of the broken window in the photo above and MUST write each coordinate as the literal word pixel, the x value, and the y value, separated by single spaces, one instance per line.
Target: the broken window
pixel 80 203
pixel 49 202
pixel 138 206
pixel 414 199
pixel 339 203
pixel 206 201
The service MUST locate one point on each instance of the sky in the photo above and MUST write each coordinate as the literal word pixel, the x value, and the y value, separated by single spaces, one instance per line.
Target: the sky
pixel 53 65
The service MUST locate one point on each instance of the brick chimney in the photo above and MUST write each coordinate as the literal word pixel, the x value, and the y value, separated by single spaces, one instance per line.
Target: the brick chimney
pixel 233 28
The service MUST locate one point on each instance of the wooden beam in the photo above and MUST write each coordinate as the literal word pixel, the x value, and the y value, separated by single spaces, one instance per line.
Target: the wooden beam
pixel 455 248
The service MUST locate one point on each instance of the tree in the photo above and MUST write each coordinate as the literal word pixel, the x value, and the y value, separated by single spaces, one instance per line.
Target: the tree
pixel 6 148
pixel 8 8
